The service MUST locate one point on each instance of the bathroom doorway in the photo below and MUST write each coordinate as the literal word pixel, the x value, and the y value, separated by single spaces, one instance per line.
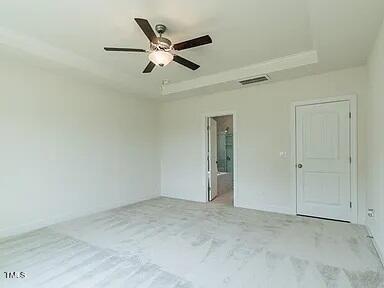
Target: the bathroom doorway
pixel 220 159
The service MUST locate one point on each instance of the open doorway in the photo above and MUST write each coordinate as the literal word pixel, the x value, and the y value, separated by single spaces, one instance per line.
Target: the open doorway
pixel 220 159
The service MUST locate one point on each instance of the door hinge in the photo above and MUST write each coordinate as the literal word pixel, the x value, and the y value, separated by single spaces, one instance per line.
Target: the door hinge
pixel 350 114
pixel 350 204
pixel 350 159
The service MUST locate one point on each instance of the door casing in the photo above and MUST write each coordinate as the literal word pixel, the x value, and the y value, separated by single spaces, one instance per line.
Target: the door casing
pixel 353 142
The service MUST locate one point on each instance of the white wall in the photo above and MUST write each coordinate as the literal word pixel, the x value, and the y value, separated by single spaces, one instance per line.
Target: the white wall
pixel 263 130
pixel 69 148
pixel 375 140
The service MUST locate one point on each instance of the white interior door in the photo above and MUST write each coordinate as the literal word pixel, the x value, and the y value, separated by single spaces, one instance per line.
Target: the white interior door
pixel 323 160
pixel 212 158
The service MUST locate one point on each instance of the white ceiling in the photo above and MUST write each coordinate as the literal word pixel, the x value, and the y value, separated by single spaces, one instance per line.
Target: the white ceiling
pixel 72 34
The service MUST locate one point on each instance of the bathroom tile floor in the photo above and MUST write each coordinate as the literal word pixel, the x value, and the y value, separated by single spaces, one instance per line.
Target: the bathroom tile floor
pixel 226 198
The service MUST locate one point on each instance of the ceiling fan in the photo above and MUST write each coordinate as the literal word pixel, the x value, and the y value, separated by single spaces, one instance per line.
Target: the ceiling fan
pixel 161 50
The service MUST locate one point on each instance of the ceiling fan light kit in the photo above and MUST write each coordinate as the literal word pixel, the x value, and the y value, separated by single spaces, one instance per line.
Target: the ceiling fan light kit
pixel 161 50
pixel 160 58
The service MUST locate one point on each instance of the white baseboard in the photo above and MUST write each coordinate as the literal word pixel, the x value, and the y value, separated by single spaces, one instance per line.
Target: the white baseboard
pixel 268 208
pixel 193 199
pixel 34 225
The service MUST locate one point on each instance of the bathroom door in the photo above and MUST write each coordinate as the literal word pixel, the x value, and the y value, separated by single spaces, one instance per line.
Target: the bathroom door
pixel 212 158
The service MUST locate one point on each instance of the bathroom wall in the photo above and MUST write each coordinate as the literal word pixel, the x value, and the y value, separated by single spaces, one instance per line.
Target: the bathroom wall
pixel 223 122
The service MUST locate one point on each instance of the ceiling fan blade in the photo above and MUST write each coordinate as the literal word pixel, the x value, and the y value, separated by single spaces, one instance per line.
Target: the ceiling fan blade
pixel 147 29
pixel 203 40
pixel 185 62
pixel 124 49
pixel 149 67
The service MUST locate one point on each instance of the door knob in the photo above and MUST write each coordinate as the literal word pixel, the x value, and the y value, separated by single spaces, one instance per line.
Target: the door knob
pixel 300 166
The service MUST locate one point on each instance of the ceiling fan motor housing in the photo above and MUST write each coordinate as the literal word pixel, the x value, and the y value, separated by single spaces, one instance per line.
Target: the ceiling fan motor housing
pixel 164 43
pixel 161 42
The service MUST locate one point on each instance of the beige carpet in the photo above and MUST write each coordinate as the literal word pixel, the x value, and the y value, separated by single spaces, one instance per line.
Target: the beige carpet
pixel 173 243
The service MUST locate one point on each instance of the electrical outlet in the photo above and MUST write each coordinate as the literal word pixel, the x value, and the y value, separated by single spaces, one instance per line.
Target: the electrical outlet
pixel 371 212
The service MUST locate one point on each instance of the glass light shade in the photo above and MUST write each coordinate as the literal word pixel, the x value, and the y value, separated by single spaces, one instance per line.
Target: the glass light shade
pixel 161 58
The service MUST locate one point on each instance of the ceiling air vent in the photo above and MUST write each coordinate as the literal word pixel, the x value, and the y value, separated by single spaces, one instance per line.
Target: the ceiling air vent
pixel 254 80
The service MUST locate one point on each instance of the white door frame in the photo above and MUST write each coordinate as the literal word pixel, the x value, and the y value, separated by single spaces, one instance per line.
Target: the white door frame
pixel 205 154
pixel 353 147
